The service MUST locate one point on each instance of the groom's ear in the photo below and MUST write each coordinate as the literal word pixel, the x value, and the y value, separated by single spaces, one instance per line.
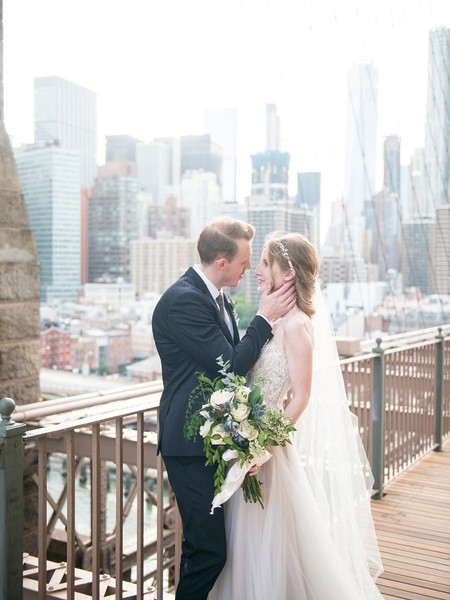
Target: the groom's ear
pixel 221 262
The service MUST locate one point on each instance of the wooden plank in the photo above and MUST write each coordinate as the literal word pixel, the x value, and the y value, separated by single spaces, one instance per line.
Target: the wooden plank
pixel 413 529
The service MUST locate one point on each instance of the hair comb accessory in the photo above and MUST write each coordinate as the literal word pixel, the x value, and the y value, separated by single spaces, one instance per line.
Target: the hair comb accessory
pixel 284 252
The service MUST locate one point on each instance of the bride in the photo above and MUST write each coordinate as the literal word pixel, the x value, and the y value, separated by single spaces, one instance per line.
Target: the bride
pixel 314 539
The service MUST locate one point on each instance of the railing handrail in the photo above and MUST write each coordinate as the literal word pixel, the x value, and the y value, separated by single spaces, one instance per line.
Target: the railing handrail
pixel 38 410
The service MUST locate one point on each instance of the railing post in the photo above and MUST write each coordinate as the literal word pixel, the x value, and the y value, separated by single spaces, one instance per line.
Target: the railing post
pixel 11 503
pixel 378 419
pixel 439 391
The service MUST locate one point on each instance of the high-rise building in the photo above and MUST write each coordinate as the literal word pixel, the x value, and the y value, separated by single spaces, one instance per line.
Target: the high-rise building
pixel 114 213
pixel 121 148
pixel 415 206
pixel 270 169
pixel 153 168
pixel 308 189
pixel 361 138
pixel 437 132
pixel 268 217
pixel 200 194
pixel 441 263
pixel 201 153
pixel 50 178
pixel 221 123
pixel 417 249
pixel 157 263
pixel 66 113
pixel 391 155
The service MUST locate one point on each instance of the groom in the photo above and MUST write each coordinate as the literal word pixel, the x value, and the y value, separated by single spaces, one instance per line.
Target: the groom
pixel 192 329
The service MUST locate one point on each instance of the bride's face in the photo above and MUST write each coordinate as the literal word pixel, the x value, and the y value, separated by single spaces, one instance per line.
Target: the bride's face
pixel 270 278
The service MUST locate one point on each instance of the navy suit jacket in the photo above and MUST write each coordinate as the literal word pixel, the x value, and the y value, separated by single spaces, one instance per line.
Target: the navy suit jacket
pixel 190 334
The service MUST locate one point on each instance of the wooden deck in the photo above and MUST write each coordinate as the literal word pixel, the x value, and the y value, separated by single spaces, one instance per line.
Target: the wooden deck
pixel 413 528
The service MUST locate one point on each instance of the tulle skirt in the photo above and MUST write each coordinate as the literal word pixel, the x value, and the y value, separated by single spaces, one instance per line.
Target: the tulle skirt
pixel 286 551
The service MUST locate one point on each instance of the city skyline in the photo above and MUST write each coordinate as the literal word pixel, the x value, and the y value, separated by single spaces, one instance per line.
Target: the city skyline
pixel 147 56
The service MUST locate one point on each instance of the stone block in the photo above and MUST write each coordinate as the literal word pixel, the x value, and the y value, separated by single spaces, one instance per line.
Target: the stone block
pixel 19 360
pixel 22 391
pixel 14 212
pixel 19 320
pixel 19 281
pixel 17 245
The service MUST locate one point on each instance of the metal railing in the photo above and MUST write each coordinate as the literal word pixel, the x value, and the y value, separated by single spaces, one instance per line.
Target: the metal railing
pixel 401 396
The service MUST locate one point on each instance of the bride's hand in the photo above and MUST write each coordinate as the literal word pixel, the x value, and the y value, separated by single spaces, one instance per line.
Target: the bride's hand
pixel 276 304
pixel 254 470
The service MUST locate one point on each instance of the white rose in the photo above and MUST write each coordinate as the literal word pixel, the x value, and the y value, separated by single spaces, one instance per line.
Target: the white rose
pixel 241 393
pixel 247 431
pixel 220 397
pixel 217 434
pixel 240 413
pixel 204 429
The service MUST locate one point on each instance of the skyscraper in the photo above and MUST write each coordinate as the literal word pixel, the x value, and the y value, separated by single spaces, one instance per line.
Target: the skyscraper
pixel 437 132
pixel 391 154
pixel 270 169
pixel 361 138
pixel 201 153
pixel 50 178
pixel 153 164
pixel 113 221
pixel 66 114
pixel 221 123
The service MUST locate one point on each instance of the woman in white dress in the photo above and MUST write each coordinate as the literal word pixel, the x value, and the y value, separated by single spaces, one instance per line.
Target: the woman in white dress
pixel 314 539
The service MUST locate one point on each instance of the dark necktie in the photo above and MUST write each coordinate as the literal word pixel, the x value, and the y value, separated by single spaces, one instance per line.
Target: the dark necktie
pixel 221 305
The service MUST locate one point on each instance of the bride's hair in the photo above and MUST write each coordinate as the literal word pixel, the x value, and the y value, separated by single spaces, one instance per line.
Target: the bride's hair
pixel 294 251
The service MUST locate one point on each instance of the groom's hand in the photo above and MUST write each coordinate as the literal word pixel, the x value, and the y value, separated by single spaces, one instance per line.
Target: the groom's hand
pixel 275 305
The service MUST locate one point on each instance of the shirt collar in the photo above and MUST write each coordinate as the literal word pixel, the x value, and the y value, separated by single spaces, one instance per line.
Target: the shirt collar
pixel 211 287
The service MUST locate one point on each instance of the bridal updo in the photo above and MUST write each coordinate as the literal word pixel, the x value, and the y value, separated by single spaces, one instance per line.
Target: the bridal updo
pixel 294 251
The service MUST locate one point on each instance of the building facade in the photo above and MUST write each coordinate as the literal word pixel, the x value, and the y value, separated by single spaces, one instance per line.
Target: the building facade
pixel 50 178
pixel 437 131
pixel 113 221
pixel 66 113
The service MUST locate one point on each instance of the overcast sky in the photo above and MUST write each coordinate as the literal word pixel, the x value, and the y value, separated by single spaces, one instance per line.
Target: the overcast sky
pixel 156 64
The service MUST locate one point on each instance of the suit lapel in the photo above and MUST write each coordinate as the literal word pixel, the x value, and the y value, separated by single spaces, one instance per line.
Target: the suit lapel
pixel 200 284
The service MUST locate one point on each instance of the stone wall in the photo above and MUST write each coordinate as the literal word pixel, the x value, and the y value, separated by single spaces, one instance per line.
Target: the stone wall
pixel 19 288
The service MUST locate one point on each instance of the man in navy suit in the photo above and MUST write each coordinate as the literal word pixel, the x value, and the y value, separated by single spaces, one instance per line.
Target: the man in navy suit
pixel 190 333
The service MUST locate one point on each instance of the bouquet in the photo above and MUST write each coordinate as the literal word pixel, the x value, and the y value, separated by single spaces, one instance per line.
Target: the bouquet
pixel 235 424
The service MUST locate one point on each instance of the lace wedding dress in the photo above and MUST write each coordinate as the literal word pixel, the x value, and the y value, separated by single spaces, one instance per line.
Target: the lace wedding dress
pixel 291 549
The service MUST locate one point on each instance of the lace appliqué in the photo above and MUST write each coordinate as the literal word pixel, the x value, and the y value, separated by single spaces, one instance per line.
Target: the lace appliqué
pixel 271 373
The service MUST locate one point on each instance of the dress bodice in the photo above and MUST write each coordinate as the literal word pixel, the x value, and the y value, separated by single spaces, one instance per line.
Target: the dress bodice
pixel 271 373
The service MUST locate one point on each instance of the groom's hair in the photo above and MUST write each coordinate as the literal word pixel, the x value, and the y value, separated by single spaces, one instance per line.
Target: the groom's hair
pixel 218 239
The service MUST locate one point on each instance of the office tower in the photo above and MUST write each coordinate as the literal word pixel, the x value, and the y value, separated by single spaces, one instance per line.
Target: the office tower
pixel 391 155
pixel 417 248
pixel 200 194
pixel 169 218
pixel 221 123
pixel 157 263
pixel 437 131
pixel 416 207
pixel 66 113
pixel 270 169
pixel 175 158
pixel 50 177
pixel 121 148
pixel 153 168
pixel 268 217
pixel 113 221
pixel 383 221
pixel 201 153
pixel 273 128
pixel 441 262
pixel 308 189
pixel 361 138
